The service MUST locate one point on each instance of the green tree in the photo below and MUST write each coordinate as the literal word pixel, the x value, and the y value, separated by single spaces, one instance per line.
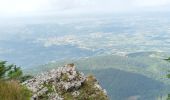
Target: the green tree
pixel 168 59
pixel 15 72
pixel 9 71
pixel 4 69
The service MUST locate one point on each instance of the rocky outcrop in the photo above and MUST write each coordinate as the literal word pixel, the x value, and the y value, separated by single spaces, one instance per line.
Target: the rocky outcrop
pixel 65 83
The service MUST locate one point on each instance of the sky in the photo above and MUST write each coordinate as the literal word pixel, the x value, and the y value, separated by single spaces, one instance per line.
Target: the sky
pixel 39 7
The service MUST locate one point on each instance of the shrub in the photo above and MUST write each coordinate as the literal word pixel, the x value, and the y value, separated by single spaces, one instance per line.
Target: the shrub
pixel 89 92
pixel 25 77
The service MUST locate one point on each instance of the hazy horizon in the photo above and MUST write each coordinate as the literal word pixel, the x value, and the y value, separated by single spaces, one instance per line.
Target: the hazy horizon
pixel 32 8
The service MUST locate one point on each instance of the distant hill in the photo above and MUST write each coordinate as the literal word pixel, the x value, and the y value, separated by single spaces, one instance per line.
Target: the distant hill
pixel 150 64
pixel 140 75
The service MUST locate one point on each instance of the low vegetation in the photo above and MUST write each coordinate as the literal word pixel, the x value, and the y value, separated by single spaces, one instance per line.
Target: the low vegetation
pixel 10 78
pixel 11 90
pixel 87 91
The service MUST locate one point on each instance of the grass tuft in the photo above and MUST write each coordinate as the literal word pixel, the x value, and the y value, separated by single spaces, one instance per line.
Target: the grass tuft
pixel 12 90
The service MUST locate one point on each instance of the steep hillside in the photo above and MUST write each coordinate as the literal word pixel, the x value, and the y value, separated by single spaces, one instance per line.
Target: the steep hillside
pixel 121 85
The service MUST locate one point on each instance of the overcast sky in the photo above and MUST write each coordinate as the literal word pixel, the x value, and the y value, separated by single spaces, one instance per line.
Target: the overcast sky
pixel 36 7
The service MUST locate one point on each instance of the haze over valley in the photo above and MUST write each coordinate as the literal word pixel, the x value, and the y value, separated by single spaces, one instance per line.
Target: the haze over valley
pixel 123 43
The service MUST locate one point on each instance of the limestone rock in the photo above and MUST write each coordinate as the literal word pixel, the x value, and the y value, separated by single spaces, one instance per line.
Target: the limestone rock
pixel 63 83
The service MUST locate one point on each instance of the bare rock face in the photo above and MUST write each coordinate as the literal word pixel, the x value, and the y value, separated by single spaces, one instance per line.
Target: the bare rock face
pixel 65 83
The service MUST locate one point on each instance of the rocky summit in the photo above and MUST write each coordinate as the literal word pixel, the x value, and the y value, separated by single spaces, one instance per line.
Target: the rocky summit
pixel 65 83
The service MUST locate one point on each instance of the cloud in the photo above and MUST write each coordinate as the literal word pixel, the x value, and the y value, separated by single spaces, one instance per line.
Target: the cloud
pixel 21 7
pixel 150 3
pixel 106 5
